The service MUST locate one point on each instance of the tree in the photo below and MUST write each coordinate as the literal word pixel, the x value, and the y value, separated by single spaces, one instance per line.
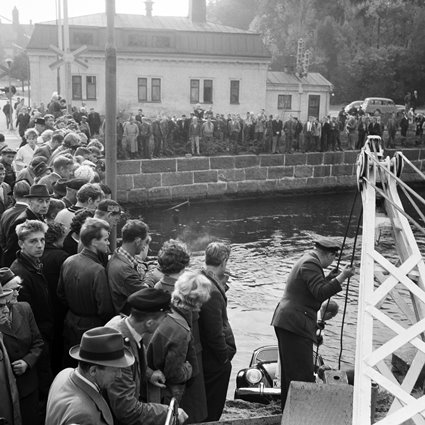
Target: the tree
pixel 21 67
pixel 233 13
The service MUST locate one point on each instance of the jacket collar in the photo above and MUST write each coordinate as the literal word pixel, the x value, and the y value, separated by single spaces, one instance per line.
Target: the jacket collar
pixel 90 254
pixel 97 398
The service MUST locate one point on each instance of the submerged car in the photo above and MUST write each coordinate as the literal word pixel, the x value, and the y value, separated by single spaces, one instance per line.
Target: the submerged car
pixel 258 383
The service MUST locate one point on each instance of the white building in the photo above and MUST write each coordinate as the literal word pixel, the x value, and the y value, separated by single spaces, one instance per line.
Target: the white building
pixel 304 97
pixel 166 64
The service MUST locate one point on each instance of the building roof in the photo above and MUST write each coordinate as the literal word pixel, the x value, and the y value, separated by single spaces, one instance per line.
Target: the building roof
pixel 313 78
pixel 176 23
pixel 157 34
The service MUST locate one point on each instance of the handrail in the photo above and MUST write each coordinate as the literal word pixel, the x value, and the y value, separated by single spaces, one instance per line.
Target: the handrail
pixel 172 413
pixel 396 178
pixel 382 193
pixel 413 165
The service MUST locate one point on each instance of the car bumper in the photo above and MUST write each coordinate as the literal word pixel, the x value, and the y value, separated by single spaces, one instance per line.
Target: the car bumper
pixel 260 394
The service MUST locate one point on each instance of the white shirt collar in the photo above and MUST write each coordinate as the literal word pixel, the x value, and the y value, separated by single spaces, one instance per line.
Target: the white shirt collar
pixel 94 386
pixel 136 336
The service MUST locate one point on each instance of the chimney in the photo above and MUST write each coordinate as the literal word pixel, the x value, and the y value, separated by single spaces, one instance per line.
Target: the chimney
pixel 198 11
pixel 148 7
pixel 15 16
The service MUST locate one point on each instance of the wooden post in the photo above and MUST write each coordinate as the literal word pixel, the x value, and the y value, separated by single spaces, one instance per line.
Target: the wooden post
pixel 59 23
pixel 111 106
pixel 68 77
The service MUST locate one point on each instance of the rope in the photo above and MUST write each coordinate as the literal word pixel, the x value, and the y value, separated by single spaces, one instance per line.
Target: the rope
pixel 347 228
pixel 341 346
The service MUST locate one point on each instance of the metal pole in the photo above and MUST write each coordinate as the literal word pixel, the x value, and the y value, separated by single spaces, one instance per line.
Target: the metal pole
pixel 67 51
pixel 59 24
pixel 9 64
pixel 111 106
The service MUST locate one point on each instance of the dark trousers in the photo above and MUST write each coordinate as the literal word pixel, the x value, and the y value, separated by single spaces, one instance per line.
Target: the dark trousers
pixel 296 360
pixel 216 389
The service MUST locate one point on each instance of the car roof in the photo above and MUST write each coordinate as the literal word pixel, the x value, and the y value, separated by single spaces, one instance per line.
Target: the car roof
pixel 378 98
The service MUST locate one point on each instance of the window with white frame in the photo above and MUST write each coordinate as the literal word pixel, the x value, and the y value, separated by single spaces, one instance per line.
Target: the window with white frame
pixel 234 92
pixel 201 90
pixel 77 87
pixel 149 89
pixel 91 87
pixel 284 101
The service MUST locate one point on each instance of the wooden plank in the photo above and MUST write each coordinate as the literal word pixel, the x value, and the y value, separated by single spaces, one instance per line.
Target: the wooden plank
pixel 408 335
pixel 384 369
pixel 391 281
pixel 262 420
pixel 364 333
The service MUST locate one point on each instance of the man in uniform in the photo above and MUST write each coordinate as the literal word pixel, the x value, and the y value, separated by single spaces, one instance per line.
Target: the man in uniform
pixel 295 318
pixel 148 308
pixel 75 395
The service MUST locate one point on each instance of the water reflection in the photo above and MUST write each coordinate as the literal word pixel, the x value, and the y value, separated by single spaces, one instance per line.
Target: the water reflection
pixel 267 237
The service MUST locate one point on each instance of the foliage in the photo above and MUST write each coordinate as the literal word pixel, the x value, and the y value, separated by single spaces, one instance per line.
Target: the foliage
pixel 235 13
pixel 21 67
pixel 364 47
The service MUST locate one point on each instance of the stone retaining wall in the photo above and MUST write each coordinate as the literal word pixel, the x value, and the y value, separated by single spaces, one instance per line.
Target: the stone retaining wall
pixel 176 179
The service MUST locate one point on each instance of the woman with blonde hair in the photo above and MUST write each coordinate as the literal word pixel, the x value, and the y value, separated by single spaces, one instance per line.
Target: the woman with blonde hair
pixel 175 347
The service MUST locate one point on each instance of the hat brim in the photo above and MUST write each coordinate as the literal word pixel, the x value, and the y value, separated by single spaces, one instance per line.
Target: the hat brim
pixel 38 196
pixel 6 293
pixel 125 361
pixel 327 248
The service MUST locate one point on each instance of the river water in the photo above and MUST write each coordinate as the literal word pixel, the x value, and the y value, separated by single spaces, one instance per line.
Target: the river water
pixel 267 236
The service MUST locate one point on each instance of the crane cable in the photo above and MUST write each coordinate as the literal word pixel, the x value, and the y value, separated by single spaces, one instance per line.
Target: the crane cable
pixel 347 228
pixel 341 346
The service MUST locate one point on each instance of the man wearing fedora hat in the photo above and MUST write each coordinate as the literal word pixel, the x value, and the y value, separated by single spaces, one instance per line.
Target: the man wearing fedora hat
pixel 295 317
pixel 75 395
pixel 148 308
pixel 38 205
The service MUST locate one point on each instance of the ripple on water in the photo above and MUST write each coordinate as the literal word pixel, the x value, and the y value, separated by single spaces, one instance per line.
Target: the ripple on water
pixel 267 237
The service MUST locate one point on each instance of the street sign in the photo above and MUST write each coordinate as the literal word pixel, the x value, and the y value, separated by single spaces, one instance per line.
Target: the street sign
pixel 68 57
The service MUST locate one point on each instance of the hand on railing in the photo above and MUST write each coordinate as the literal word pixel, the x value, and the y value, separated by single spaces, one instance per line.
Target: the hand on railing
pixel 175 414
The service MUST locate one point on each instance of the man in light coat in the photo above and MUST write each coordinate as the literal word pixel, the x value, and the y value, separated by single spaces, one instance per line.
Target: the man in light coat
pixel 75 395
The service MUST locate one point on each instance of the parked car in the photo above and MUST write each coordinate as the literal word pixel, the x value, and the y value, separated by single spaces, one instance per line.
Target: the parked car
pixel 379 106
pixel 257 383
pixel 356 104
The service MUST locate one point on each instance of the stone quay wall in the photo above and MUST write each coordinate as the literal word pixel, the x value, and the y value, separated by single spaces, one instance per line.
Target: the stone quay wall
pixel 151 181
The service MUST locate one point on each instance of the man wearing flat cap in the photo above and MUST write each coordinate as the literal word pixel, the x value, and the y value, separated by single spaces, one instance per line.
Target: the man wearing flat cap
pixel 7 158
pixel 148 307
pixel 75 395
pixel 295 317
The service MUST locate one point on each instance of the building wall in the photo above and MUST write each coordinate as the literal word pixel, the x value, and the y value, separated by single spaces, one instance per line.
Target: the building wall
pixel 300 96
pixel 175 82
pixel 177 179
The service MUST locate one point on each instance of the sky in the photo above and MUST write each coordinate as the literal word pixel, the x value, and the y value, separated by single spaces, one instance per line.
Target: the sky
pixel 45 10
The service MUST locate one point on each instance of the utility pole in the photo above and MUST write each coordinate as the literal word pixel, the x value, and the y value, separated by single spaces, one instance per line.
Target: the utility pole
pixel 9 65
pixel 67 50
pixel 111 105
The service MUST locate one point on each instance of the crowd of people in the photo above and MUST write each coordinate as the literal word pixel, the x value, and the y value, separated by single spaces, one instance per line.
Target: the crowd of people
pixel 92 336
pixel 203 132
pixel 122 333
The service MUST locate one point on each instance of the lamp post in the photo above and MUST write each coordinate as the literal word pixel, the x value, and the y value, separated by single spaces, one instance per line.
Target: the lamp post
pixel 9 62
